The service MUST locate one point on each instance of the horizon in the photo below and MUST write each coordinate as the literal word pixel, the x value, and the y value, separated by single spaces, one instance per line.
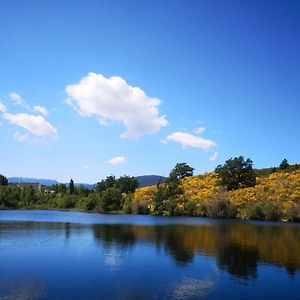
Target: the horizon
pixel 97 88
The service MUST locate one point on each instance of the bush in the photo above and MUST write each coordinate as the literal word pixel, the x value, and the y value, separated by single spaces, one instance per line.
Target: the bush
pixel 263 212
pixel 190 207
pixel 140 208
pixel 293 213
pixel 127 204
pixel 219 206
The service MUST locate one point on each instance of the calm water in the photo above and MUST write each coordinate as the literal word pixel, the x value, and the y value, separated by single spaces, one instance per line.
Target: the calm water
pixel 68 255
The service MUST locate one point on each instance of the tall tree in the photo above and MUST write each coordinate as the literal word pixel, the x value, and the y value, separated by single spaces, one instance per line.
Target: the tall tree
pixel 284 165
pixel 3 180
pixel 236 173
pixel 181 170
pixel 71 187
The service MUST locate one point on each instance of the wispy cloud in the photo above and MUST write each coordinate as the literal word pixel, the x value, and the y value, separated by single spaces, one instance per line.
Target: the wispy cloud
pixel 114 100
pixel 214 156
pixel 2 108
pixel 40 109
pixel 18 100
pixel 199 130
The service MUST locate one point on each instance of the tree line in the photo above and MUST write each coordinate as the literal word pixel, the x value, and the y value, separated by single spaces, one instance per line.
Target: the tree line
pixel 117 194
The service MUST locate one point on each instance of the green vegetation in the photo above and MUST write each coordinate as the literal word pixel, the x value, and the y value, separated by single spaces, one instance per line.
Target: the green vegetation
pixel 236 173
pixel 234 190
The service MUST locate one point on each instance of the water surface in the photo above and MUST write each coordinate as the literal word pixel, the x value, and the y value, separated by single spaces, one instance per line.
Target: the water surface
pixel 71 255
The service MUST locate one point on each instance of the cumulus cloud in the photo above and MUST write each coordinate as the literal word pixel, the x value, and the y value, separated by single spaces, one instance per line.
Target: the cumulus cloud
pixel 117 160
pixel 199 130
pixel 214 156
pixel 190 140
pixel 35 125
pixel 41 109
pixel 3 108
pixel 114 100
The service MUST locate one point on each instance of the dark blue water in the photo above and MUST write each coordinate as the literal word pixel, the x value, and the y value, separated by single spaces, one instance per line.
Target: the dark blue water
pixel 69 255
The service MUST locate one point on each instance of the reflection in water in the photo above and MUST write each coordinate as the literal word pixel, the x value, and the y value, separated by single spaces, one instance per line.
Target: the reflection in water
pixel 121 261
pixel 238 248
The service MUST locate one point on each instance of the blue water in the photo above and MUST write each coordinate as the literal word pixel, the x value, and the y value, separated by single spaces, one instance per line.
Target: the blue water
pixel 71 255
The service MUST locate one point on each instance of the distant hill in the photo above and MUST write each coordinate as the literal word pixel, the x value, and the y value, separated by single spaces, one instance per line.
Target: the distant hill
pixel 33 180
pixel 147 180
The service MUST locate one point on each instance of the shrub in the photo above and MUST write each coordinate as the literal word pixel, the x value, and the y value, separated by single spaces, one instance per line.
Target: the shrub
pixel 219 206
pixel 263 211
pixel 293 213
pixel 190 207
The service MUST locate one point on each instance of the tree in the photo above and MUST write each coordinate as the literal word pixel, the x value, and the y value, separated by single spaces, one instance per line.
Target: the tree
pixel 236 173
pixel 284 165
pixel 103 185
pixel 127 184
pixel 3 180
pixel 110 199
pixel 181 170
pixel 71 187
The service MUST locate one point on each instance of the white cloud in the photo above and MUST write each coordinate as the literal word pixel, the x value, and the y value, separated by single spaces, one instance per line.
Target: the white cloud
pixel 117 160
pixel 214 156
pixel 41 110
pixel 86 167
pixel 199 130
pixel 114 100
pixel 35 125
pixel 3 108
pixel 18 100
pixel 190 140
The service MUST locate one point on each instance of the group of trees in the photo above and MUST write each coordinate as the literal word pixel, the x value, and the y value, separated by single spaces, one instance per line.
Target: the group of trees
pixel 109 195
pixel 168 198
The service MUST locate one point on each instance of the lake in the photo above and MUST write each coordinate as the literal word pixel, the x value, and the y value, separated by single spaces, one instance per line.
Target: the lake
pixel 73 255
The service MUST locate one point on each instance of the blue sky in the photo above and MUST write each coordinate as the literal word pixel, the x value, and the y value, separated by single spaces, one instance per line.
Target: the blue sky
pixel 135 87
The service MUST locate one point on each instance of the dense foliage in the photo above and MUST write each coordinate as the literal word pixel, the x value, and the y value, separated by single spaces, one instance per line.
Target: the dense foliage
pixel 273 194
pixel 236 173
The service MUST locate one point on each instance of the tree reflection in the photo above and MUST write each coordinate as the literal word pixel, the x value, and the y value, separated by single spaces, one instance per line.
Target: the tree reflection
pixel 237 247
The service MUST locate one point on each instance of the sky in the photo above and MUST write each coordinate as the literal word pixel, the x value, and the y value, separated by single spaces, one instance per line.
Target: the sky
pixel 93 88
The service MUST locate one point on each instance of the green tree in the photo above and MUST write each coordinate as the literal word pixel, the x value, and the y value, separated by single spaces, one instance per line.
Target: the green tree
pixel 3 180
pixel 71 187
pixel 181 170
pixel 236 173
pixel 111 199
pixel 103 185
pixel 284 165
pixel 127 184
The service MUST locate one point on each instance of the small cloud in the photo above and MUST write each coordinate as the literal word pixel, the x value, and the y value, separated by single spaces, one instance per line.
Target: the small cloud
pixel 117 160
pixel 18 100
pixel 190 140
pixel 41 109
pixel 86 167
pixel 3 108
pixel 199 130
pixel 21 137
pixel 214 156
pixel 114 100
